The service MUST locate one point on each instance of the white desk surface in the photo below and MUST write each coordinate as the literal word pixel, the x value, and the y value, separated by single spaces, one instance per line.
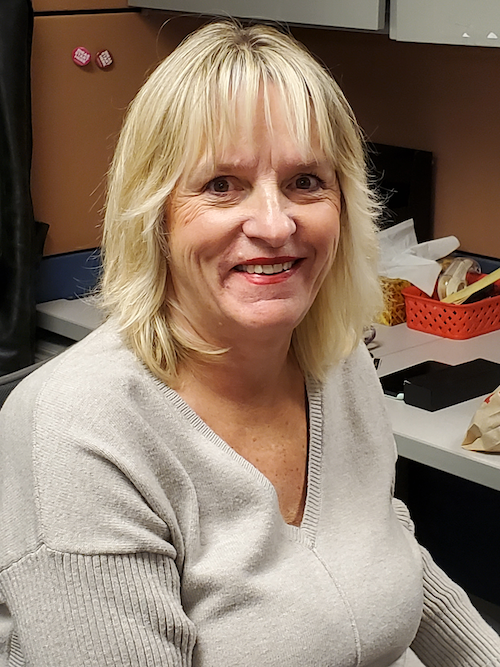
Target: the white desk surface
pixel 435 438
pixel 72 318
pixel 432 438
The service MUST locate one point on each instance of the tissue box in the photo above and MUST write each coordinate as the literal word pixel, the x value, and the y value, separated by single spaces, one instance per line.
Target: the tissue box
pixel 394 302
pixel 449 320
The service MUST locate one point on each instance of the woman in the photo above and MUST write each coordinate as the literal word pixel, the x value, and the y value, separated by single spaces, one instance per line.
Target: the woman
pixel 206 479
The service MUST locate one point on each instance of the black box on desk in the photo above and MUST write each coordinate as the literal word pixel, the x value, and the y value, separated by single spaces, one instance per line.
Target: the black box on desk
pixel 451 385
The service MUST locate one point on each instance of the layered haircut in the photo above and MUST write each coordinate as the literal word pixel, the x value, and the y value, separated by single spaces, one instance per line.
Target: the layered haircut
pixel 186 111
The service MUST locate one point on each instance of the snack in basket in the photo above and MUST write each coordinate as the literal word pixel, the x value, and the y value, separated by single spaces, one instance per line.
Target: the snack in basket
pixel 483 434
pixel 394 302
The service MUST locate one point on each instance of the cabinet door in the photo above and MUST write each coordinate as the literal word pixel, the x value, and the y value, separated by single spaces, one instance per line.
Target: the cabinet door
pixel 467 22
pixel 360 14
pixel 76 5
pixel 77 114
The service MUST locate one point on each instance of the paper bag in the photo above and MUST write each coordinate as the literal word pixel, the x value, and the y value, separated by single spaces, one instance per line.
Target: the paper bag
pixel 483 434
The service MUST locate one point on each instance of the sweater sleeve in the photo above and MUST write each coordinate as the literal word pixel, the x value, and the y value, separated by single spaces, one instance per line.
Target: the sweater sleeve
pixel 451 631
pixel 97 611
pixel 91 548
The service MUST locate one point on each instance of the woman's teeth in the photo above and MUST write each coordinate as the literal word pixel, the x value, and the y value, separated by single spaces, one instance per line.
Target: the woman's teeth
pixel 268 269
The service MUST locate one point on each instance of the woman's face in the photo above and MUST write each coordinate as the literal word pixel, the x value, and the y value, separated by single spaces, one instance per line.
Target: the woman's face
pixel 252 238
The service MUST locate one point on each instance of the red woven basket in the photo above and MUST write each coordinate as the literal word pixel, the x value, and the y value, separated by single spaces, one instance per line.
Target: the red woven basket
pixel 451 320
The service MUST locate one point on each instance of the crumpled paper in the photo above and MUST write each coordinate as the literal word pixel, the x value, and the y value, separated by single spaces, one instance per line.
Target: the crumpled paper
pixel 401 256
pixel 483 434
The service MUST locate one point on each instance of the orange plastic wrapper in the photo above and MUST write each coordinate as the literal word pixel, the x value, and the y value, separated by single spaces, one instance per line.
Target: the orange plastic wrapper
pixel 483 434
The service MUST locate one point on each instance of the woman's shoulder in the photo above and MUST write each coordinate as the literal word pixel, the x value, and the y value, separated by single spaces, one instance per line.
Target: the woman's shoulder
pixel 357 371
pixel 353 391
pixel 88 371
pixel 96 395
pixel 81 438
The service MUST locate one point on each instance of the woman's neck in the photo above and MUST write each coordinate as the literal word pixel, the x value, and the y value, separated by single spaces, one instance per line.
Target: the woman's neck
pixel 257 405
pixel 260 376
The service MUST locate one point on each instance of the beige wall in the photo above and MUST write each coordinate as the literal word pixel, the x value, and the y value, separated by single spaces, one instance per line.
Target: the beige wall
pixel 76 5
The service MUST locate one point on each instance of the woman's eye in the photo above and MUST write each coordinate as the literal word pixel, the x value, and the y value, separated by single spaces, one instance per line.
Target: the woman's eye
pixel 219 185
pixel 307 182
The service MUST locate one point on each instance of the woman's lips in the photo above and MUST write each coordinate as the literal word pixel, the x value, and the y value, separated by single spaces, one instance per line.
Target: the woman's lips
pixel 268 265
pixel 267 269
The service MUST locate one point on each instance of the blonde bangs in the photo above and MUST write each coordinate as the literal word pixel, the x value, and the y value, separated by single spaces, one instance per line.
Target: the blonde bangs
pixel 224 110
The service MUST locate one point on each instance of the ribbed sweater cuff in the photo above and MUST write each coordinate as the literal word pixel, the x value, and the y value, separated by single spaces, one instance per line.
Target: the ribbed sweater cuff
pixel 104 610
pixel 452 633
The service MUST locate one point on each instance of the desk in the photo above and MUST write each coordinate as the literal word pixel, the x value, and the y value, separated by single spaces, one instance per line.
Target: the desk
pixel 72 318
pixel 453 497
pixel 434 438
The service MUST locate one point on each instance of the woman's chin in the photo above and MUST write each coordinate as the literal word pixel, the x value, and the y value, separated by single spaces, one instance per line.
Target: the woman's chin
pixel 268 319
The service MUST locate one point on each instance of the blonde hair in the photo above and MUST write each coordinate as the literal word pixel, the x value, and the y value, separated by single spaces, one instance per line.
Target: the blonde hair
pixel 186 109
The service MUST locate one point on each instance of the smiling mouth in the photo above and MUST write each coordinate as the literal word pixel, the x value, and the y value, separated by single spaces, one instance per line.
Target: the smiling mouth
pixel 267 269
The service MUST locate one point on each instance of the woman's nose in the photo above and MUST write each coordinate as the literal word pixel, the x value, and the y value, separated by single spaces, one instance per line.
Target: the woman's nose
pixel 269 217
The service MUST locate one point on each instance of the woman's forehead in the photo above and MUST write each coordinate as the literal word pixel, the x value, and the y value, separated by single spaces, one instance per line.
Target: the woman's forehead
pixel 247 155
pixel 246 140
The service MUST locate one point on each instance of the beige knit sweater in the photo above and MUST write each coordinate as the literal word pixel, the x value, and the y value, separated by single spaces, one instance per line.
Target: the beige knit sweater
pixel 132 535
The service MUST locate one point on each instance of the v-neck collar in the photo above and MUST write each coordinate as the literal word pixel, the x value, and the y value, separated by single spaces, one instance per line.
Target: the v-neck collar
pixel 307 529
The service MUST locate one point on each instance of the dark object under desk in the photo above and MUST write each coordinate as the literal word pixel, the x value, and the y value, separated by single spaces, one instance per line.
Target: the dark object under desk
pixel 458 522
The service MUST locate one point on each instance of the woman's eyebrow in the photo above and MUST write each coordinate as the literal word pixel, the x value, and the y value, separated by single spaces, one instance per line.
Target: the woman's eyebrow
pixel 312 165
pixel 206 169
pixel 227 166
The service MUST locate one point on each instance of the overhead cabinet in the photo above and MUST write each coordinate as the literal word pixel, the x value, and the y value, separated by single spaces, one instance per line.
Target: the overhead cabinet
pixel 357 14
pixel 466 22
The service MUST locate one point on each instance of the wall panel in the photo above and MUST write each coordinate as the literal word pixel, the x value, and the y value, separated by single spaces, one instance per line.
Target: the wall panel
pixel 78 111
